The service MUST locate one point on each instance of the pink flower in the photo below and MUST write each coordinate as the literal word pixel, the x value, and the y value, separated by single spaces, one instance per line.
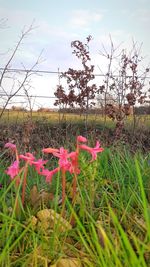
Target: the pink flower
pixel 63 158
pixel 49 174
pixel 62 154
pixel 39 165
pixel 27 157
pixel 74 168
pixel 82 139
pixel 11 146
pixel 93 151
pixel 13 170
pixel 67 161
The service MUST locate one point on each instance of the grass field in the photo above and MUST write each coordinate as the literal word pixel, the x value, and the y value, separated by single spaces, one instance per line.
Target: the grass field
pixel 44 129
pixel 54 117
pixel 111 215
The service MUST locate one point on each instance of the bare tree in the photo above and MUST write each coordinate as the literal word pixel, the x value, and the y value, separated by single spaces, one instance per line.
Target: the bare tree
pixel 31 101
pixel 16 84
pixel 104 89
pixel 126 83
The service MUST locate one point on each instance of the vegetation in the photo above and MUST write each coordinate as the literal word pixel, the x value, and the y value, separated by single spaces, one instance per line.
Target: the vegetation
pixel 83 209
pixel 111 225
pixel 124 85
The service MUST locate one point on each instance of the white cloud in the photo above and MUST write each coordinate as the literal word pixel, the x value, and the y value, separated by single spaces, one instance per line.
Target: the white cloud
pixel 83 18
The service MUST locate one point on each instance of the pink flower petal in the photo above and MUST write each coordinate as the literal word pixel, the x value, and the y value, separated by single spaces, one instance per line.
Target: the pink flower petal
pixel 82 139
pixel 74 168
pixel 50 150
pixel 49 174
pixel 11 146
pixel 39 164
pixel 13 170
pixel 93 151
pixel 85 147
pixel 27 157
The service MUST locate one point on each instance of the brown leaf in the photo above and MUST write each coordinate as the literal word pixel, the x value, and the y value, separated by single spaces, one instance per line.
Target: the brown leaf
pixel 69 262
pixel 49 219
pixel 34 195
pixel 37 198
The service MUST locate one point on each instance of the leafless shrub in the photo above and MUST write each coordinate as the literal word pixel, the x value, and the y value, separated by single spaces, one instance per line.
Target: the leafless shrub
pixel 8 92
pixel 126 83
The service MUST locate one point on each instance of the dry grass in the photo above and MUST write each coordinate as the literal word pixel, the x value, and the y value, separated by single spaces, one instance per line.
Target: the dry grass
pixel 54 117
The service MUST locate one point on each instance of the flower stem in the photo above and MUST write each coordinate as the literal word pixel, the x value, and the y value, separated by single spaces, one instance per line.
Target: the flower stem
pixel 74 191
pixel 17 205
pixel 24 184
pixel 63 185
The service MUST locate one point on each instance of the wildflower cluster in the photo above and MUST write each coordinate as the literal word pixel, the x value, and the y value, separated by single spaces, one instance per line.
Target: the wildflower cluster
pixel 67 162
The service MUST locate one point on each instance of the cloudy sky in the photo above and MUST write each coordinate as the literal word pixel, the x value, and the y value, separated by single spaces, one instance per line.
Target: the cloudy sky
pixel 59 22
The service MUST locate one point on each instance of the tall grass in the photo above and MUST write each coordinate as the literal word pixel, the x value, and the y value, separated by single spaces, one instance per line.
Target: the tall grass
pixel 111 213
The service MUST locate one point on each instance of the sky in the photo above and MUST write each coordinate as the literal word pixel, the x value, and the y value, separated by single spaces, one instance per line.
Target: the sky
pixel 56 23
